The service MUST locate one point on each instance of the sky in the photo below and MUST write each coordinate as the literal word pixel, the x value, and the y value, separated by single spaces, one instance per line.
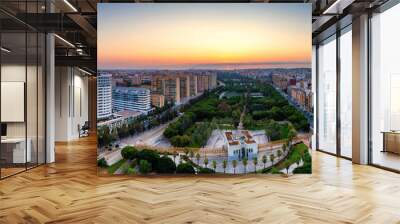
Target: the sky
pixel 203 36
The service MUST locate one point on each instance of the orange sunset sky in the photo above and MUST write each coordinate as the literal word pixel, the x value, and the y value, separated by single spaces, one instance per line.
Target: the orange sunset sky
pixel 160 36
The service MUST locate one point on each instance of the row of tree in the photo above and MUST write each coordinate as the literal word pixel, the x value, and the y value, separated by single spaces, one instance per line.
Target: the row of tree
pixel 195 126
pixel 107 135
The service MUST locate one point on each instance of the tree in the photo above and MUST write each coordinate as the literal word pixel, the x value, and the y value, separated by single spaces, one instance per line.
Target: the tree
pixel 244 161
pixel 103 135
pixel 205 161
pixel 291 136
pixel 279 153
pixel 264 160
pixel 114 134
pixel 214 164
pixel 186 151
pixel 191 154
pixel 175 154
pixel 224 165
pixel 180 140
pixel 255 162
pixel 203 170
pixel 297 158
pixel 198 158
pixel 102 163
pixel 144 166
pixel 129 152
pixel 224 107
pixel 165 165
pixel 287 164
pixel 234 164
pixel 272 158
pixel 150 156
pixel 185 168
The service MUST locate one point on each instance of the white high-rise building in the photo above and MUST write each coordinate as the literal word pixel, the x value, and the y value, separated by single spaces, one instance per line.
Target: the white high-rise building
pixel 104 95
pixel 131 98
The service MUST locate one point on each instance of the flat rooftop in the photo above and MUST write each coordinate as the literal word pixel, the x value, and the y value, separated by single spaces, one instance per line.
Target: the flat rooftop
pixel 235 137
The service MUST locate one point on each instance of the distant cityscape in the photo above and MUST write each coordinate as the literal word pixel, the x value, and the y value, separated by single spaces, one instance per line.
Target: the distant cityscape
pixel 124 95
pixel 224 116
pixel 294 83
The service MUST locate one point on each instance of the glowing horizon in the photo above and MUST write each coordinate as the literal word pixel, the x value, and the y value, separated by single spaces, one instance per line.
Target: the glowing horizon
pixel 147 36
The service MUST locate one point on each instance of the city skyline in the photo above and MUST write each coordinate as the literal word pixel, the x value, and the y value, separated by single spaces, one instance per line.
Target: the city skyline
pixel 204 36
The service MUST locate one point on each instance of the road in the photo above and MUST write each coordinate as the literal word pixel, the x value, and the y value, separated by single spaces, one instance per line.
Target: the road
pixel 153 137
pixel 307 114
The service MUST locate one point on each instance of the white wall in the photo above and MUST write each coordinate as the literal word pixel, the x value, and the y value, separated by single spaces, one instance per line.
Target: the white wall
pixel 71 102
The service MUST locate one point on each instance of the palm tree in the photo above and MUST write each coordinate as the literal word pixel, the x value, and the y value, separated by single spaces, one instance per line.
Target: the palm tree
pixel 255 162
pixel 279 153
pixel 186 151
pixel 234 164
pixel 264 160
pixel 224 165
pixel 198 158
pixel 214 165
pixel 175 154
pixel 287 164
pixel 191 154
pixel 205 161
pixel 244 161
pixel 291 136
pixel 272 158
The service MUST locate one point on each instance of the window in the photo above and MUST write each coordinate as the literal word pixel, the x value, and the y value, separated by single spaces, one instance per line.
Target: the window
pixel 327 95
pixel 346 93
pixel 385 89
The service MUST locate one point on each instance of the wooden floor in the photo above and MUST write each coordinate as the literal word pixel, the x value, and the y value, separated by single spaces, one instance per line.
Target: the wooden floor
pixel 69 191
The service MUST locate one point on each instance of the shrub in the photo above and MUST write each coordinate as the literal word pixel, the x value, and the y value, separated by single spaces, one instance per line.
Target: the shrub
pixel 307 165
pixel 180 140
pixel 305 169
pixel 185 168
pixel 102 163
pixel 205 170
pixel 144 167
pixel 131 171
pixel 133 163
pixel 275 170
pixel 165 165
pixel 129 152
pixel 150 155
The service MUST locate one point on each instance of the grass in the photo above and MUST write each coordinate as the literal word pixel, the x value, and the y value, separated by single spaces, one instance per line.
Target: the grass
pixel 297 152
pixel 111 169
pixel 231 94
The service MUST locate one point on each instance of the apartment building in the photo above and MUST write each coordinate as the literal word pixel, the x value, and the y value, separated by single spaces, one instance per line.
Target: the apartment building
pixel 104 95
pixel 157 100
pixel 131 98
pixel 176 87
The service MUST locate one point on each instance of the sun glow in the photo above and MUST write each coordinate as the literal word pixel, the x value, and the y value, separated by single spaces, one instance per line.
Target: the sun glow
pixel 199 35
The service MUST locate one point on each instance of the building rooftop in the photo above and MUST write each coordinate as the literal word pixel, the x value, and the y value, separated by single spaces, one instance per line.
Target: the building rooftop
pixel 131 89
pixel 128 113
pixel 235 137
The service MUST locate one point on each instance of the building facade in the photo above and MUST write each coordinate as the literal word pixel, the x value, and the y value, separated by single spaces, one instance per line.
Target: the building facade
pixel 104 95
pixel 240 144
pixel 131 98
pixel 157 100
pixel 176 87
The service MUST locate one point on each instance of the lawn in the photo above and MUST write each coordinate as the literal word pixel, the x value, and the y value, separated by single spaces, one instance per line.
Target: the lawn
pixel 111 169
